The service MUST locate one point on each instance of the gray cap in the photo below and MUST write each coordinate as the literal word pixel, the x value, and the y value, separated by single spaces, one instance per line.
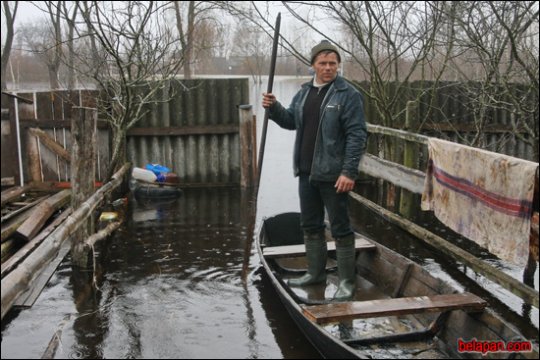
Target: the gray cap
pixel 324 45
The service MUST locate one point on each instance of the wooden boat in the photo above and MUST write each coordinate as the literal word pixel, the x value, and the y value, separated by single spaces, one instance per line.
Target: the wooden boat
pixel 399 310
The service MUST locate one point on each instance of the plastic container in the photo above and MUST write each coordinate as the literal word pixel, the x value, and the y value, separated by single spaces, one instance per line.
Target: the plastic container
pixel 108 216
pixel 169 178
pixel 157 169
pixel 143 175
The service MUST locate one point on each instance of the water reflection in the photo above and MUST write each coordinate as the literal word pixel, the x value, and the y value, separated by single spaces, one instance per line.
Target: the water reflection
pixel 288 336
pixel 88 326
pixel 169 285
pixel 176 279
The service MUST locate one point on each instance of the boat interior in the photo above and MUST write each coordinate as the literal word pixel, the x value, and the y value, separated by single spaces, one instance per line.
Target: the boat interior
pixel 399 310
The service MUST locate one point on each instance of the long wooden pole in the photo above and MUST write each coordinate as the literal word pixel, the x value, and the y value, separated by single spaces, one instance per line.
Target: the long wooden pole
pixel 266 111
pixel 251 227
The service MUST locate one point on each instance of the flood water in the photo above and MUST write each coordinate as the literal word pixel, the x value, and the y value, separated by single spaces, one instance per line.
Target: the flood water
pixel 176 282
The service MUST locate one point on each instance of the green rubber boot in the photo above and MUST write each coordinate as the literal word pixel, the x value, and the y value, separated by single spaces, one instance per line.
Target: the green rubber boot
pixel 316 253
pixel 346 259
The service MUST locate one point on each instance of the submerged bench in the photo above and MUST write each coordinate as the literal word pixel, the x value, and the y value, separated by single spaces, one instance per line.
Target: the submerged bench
pixel 340 311
pixel 300 249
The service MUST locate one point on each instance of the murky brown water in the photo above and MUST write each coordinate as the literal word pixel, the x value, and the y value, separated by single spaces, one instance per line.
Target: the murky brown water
pixel 170 286
pixel 170 282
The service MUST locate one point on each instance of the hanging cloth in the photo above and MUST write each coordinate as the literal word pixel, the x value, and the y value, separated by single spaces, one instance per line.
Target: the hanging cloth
pixel 484 196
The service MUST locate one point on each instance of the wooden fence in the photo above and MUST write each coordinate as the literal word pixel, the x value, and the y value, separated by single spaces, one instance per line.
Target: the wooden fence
pixel 196 131
pixel 36 136
pixel 451 112
pixel 411 181
pixel 193 128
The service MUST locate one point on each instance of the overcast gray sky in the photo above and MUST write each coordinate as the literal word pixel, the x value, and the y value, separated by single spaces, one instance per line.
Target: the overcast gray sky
pixel 290 27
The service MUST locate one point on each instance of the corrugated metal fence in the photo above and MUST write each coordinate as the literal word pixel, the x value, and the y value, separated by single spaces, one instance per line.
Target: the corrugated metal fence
pixel 196 133
pixel 193 128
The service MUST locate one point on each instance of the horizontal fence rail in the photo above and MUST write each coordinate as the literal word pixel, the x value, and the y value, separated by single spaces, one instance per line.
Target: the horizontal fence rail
pixel 196 133
pixel 413 180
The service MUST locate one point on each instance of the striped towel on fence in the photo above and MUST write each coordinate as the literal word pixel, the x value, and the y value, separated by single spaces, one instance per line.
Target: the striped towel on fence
pixel 484 196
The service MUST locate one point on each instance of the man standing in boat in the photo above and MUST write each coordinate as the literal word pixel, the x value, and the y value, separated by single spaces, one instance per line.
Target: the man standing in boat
pixel 328 116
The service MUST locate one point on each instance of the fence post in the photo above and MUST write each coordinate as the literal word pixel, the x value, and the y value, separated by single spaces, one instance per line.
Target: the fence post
pixel 410 158
pixel 32 150
pixel 83 137
pixel 247 150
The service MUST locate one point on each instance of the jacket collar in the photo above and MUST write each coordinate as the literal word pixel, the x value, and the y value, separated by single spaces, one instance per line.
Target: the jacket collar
pixel 339 83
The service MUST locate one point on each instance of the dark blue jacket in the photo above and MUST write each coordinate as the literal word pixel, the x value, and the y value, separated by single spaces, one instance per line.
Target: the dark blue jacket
pixel 342 134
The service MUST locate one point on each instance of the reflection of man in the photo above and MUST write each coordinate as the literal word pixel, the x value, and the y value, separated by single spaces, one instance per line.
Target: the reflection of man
pixel 328 116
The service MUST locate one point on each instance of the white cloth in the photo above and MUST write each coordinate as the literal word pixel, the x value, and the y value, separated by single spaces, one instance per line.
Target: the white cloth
pixel 484 196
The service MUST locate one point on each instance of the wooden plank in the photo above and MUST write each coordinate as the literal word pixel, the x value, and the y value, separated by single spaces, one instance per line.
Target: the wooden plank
pixel 21 98
pixel 10 226
pixel 33 158
pixel 470 127
pixel 10 149
pixel 335 312
pixel 300 250
pixel 407 178
pixel 51 144
pixel 23 276
pixel 83 131
pixel 8 181
pixel 384 268
pixel 29 297
pixel 23 208
pixel 23 252
pixel 405 135
pixel 41 214
pixel 404 281
pixel 50 124
pixel 247 170
pixel 13 193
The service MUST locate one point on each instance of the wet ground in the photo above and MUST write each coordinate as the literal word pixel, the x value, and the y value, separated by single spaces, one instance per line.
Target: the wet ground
pixel 176 281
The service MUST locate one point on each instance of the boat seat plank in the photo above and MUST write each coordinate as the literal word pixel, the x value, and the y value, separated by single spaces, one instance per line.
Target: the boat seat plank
pixel 341 311
pixel 300 249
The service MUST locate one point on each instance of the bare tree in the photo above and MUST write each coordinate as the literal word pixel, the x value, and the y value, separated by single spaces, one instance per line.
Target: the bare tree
pixel 192 22
pixel 497 68
pixel 519 23
pixel 70 16
pixel 251 44
pixel 213 41
pixel 411 51
pixel 44 38
pixel 186 36
pixel 134 56
pixel 10 33
pixel 38 41
pixel 389 44
pixel 257 14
